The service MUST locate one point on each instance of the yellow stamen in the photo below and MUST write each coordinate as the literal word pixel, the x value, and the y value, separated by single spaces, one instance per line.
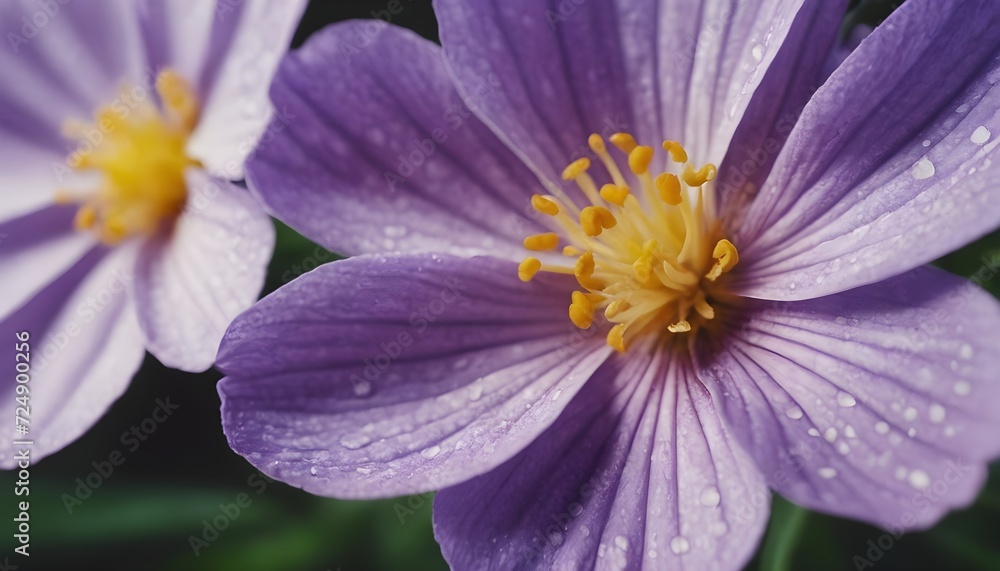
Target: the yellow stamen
pixel 696 178
pixel 571 251
pixel 682 326
pixel 624 142
pixel 584 272
pixel 576 168
pixel 542 242
pixel 639 159
pixel 616 337
pixel 596 144
pixel 594 219
pixel 581 310
pixel 142 159
pixel 616 307
pixel 528 268
pixel 614 194
pixel 676 150
pixel 544 205
pixel 726 257
pixel 669 188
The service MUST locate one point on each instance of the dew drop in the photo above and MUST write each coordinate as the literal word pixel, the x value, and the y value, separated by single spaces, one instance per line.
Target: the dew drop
pixel 556 395
pixel 710 497
pixel 923 169
pixel 362 388
pixel 966 351
pixel 758 52
pixel 556 538
pixel 622 542
pixel 430 452
pixel 980 135
pixel 719 528
pixel 881 428
pixel 843 448
pixel 475 392
pixel 962 388
pixel 845 399
pixel 849 432
pixel 652 554
pixel 813 432
pixel 926 143
pixel 354 441
pixel 936 413
pixel 679 545
pixel 794 413
pixel 312 470
pixel 910 414
pixel 827 473
pixel 919 479
pixel 363 471
pixel 830 434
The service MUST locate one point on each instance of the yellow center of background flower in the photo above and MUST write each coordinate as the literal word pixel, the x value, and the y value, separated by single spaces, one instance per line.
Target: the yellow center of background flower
pixel 650 263
pixel 140 152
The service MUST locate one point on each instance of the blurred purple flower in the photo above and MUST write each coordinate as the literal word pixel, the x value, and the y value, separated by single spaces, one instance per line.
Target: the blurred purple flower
pixel 137 240
pixel 761 281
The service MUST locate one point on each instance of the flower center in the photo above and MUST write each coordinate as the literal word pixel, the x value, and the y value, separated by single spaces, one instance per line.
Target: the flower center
pixel 650 262
pixel 139 148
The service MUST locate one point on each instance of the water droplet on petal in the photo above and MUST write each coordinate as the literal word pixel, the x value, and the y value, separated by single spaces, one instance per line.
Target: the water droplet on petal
pixel 919 479
pixel 966 351
pixel 622 542
pixel 923 169
pixel 830 434
pixel 710 497
pixel 910 413
pixel 980 135
pixel 962 388
pixel 936 413
pixel 679 545
pixel 430 452
pixel 794 413
pixel 881 427
pixel 845 399
pixel 827 473
pixel 354 441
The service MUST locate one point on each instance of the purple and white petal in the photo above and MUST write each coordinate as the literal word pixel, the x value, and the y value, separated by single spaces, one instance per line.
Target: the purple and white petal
pixel 382 376
pixel 35 249
pixel 876 404
pixel 656 68
pixel 85 344
pixel 242 53
pixel 639 472
pixel 191 284
pixel 872 186
pixel 359 168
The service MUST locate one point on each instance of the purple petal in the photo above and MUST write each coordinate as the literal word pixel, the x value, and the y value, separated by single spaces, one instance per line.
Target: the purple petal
pixel 376 151
pixel 35 250
pixel 871 186
pixel 190 285
pixel 381 376
pixel 878 403
pixel 637 473
pixel 657 68
pixel 84 347
pixel 241 55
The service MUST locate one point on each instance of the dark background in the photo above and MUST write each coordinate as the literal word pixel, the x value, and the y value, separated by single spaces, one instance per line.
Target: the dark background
pixel 143 514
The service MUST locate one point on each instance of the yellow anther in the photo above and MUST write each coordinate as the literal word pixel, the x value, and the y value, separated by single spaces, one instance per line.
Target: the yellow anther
pixel 726 257
pixel 681 326
pixel 639 159
pixel 614 194
pixel 676 150
pixel 584 271
pixel 596 144
pixel 571 251
pixel 85 218
pixel 695 178
pixel 542 242
pixel 669 188
pixel 704 309
pixel 616 307
pixel 544 205
pixel 623 141
pixel 576 168
pixel 528 268
pixel 594 219
pixel 616 337
pixel 581 311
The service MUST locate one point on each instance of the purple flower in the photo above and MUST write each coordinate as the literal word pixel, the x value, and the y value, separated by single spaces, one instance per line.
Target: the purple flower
pixel 121 125
pixel 741 310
